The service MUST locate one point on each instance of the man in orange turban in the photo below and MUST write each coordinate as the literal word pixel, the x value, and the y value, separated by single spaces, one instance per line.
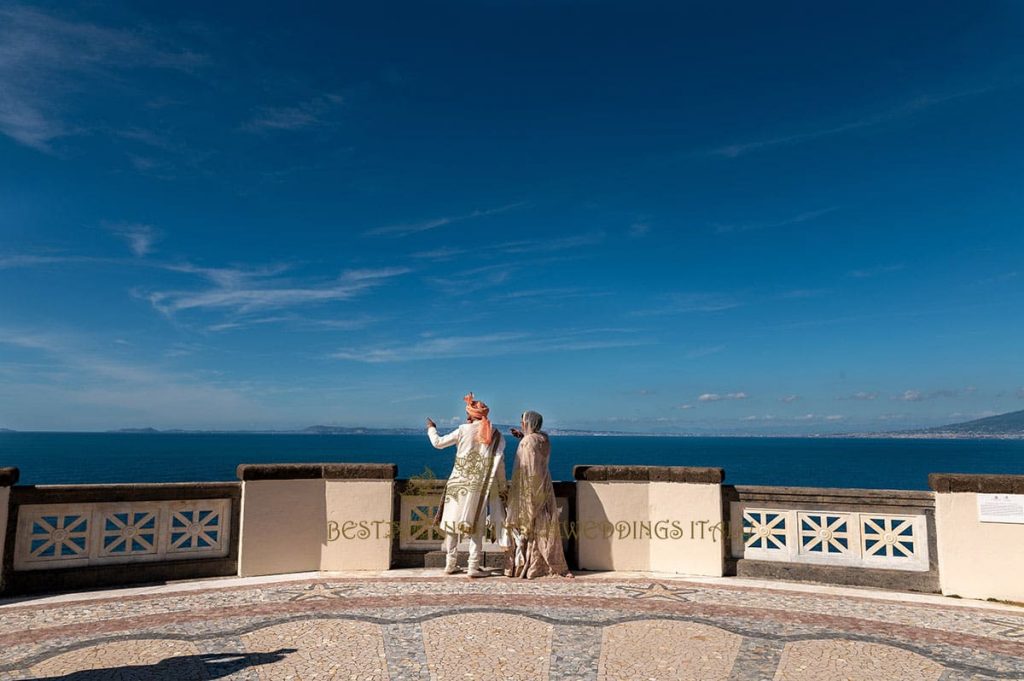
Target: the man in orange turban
pixel 476 482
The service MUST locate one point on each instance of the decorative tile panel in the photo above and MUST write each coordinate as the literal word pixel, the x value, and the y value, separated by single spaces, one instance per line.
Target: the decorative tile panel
pixel 417 530
pixel 129 532
pixel 824 533
pixel 893 540
pixel 69 535
pixel 197 527
pixel 849 538
pixel 62 534
pixel 765 530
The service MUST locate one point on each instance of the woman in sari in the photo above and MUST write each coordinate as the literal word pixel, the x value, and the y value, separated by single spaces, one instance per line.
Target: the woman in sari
pixel 532 514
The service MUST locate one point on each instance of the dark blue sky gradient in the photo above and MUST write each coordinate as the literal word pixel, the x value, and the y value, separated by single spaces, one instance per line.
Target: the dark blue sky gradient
pixel 663 217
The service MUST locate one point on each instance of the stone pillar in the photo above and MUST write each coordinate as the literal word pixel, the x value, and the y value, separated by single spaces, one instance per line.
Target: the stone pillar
pixel 979 558
pixel 312 517
pixel 8 478
pixel 657 518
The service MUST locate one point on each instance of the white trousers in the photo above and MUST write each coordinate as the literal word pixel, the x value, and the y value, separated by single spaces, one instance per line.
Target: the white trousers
pixel 476 543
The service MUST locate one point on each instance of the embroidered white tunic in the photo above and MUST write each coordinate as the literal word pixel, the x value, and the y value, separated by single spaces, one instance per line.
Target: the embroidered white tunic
pixel 473 486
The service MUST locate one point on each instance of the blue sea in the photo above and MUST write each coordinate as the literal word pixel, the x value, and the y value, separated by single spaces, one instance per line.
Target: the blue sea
pixel 64 458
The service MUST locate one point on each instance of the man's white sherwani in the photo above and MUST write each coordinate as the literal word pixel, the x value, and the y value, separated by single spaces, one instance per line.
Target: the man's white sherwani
pixel 473 489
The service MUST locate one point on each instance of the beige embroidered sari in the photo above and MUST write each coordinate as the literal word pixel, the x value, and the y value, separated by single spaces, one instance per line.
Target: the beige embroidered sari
pixel 532 513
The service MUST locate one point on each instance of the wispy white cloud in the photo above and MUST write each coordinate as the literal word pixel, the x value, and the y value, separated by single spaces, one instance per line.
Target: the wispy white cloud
pixel 789 399
pixel 716 397
pixel 140 237
pixel 19 261
pixel 536 247
pixel 874 271
pixel 682 303
pixel 80 375
pixel 244 291
pixel 294 321
pixel 797 219
pixel 821 417
pixel 44 58
pixel 639 229
pixel 406 229
pixel 311 113
pixel 696 353
pixel 919 396
pixel 861 395
pixel 531 296
pixel 905 110
pixel 803 293
pixel 487 345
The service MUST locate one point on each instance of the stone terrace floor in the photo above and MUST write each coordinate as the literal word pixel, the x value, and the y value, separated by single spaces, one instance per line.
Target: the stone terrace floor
pixel 418 624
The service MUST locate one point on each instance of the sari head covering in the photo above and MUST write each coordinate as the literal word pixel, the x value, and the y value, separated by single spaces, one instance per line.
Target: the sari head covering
pixel 532 422
pixel 478 411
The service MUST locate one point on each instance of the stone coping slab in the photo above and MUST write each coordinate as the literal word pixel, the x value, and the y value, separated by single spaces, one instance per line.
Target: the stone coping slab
pixel 9 476
pixel 692 474
pixel 157 491
pixel 986 484
pixel 317 471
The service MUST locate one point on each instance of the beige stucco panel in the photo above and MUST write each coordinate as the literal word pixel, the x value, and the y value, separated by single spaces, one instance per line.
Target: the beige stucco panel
pixel 977 560
pixel 358 525
pixel 698 510
pixel 598 503
pixel 5 497
pixel 283 526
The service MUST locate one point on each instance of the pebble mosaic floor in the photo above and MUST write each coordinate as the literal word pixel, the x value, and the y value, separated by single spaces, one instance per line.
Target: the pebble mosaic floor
pixel 434 627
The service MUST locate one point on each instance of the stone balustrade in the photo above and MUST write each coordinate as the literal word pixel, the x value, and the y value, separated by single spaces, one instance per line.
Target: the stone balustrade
pixel 882 538
pixel 963 538
pixel 62 537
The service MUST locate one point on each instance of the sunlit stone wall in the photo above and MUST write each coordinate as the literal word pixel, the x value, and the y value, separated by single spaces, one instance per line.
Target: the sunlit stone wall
pixel 658 518
pixel 312 517
pixel 980 521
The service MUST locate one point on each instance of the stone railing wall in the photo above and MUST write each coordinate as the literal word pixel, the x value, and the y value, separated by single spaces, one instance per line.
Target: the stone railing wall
pixel 980 523
pixel 883 538
pixel 8 478
pixel 965 538
pixel 658 518
pixel 309 517
pixel 64 537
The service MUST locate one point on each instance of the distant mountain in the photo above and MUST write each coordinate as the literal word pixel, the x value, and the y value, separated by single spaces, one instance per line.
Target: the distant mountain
pixel 348 430
pixel 1010 424
pixel 7 430
pixel 136 430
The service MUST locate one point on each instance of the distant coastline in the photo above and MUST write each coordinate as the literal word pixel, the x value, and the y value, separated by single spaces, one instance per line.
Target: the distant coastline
pixel 1009 426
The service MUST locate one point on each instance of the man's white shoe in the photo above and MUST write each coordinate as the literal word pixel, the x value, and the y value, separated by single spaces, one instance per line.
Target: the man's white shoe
pixel 452 569
pixel 475 572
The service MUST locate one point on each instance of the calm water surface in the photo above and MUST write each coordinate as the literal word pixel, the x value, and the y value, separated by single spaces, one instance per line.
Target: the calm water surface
pixel 56 458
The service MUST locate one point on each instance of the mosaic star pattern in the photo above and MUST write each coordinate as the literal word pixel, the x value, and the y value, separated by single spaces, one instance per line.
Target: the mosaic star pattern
pixel 417 626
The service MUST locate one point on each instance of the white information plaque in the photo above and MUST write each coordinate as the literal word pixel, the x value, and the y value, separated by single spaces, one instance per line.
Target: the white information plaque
pixel 1001 508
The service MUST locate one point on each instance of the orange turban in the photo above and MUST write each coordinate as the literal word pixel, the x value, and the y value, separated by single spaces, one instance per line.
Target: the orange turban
pixel 477 410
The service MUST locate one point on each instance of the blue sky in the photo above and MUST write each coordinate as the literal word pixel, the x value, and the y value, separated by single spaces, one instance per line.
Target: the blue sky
pixel 666 217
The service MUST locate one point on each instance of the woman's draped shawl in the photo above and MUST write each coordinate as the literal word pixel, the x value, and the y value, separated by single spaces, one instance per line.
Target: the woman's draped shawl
pixel 532 512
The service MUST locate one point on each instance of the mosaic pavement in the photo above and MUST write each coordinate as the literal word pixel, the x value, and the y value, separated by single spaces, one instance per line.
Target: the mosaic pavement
pixel 593 627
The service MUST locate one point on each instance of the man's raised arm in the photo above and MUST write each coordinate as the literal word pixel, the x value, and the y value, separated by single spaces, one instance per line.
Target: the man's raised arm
pixel 438 441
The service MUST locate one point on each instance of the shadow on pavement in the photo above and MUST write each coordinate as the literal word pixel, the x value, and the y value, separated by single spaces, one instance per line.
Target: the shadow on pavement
pixel 183 668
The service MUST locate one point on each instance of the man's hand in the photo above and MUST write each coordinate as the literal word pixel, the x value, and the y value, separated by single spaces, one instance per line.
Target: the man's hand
pixel 516 433
pixel 431 424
